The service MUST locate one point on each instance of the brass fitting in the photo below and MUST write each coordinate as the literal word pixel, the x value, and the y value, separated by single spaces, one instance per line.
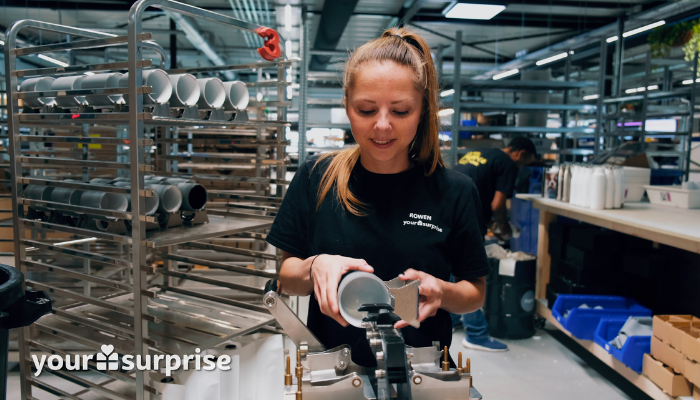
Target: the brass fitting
pixel 445 363
pixel 459 363
pixel 288 375
pixel 300 373
pixel 469 367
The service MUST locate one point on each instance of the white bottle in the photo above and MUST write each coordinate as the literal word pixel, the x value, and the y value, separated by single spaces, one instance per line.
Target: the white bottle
pixel 598 188
pixel 617 201
pixel 572 184
pixel 585 188
pixel 560 182
pixel 609 189
pixel 566 187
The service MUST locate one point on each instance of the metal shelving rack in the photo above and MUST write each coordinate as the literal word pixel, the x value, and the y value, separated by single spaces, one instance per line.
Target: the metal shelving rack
pixel 149 310
pixel 458 105
pixel 612 117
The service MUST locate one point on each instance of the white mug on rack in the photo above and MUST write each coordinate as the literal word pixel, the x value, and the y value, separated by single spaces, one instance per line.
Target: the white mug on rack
pixel 237 96
pixel 186 91
pixel 213 93
pixel 157 79
pixel 42 84
pixel 69 83
pixel 102 81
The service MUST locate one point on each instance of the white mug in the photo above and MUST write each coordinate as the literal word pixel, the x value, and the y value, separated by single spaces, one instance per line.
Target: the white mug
pixel 157 79
pixel 237 96
pixel 213 93
pixel 186 91
pixel 69 83
pixel 102 81
pixel 38 85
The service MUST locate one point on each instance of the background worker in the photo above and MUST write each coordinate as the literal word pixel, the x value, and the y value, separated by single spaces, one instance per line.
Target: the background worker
pixel 494 172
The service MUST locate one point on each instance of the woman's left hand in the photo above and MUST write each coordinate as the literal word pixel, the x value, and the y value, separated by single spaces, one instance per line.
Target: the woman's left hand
pixel 430 291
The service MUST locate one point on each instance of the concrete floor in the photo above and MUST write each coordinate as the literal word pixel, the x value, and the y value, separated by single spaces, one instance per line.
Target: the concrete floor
pixel 539 368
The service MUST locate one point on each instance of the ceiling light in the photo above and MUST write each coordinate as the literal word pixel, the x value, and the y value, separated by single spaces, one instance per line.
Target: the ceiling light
pixel 2 43
pixel 552 58
pixel 633 90
pixel 447 93
pixel 689 81
pixel 288 17
pixel 288 48
pixel 571 52
pixel 53 60
pixel 505 74
pixel 446 111
pixel 652 87
pixel 611 39
pixel 642 29
pixel 590 97
pixel 474 11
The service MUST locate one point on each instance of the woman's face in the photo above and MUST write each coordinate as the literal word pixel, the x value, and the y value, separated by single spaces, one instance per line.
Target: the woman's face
pixel 384 108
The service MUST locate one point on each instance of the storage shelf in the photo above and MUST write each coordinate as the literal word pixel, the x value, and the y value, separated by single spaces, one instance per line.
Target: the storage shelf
pixel 528 85
pixel 217 226
pixel 147 118
pixel 651 96
pixel 639 380
pixel 525 129
pixel 526 107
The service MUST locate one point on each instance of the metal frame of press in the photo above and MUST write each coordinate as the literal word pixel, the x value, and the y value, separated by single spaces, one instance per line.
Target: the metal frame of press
pixel 131 312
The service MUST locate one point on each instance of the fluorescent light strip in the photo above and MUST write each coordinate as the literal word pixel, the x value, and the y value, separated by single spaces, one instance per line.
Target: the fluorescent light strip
pixel 288 17
pixel 590 97
pixel 689 81
pixel 552 59
pixel 2 43
pixel 643 28
pixel 641 89
pixel 53 60
pixel 474 11
pixel 612 39
pixel 446 111
pixel 505 74
pixel 447 93
pixel 288 48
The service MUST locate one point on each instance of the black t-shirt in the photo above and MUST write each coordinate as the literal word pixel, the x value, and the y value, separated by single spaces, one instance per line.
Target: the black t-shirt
pixel 430 224
pixel 491 170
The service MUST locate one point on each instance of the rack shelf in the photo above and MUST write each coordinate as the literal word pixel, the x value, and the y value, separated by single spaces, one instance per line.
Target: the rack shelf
pixel 515 85
pixel 526 107
pixel 217 227
pixel 147 118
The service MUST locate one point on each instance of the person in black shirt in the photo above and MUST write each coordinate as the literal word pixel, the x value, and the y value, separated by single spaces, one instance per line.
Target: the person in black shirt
pixel 387 206
pixel 494 172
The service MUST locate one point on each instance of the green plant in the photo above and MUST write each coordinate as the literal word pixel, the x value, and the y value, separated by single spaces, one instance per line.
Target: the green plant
pixel 693 45
pixel 663 38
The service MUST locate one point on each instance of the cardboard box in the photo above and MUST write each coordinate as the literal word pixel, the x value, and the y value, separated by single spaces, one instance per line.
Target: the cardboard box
pixel 665 378
pixel 691 341
pixel 696 392
pixel 692 371
pixel 668 355
pixel 667 328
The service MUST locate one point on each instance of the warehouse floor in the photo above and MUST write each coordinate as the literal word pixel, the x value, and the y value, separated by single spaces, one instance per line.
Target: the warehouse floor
pixel 539 368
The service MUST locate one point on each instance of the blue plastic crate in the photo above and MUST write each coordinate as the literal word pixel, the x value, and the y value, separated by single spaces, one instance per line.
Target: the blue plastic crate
pixel 632 353
pixel 582 322
pixel 666 177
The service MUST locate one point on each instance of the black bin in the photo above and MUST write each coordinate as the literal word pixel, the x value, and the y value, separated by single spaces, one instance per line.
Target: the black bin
pixel 18 308
pixel 510 300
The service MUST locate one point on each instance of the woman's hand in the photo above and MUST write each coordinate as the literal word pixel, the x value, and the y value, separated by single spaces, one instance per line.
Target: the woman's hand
pixel 326 271
pixel 430 291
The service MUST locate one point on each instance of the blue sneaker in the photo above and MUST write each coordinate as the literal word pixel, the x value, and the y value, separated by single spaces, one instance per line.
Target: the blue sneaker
pixel 487 344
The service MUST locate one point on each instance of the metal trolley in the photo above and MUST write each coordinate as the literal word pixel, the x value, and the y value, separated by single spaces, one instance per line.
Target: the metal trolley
pixel 138 290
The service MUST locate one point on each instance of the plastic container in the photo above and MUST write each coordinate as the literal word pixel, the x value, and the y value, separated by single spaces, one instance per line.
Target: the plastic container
pixel 358 288
pixel 582 322
pixel 632 353
pixel 609 189
pixel 633 193
pixel 673 196
pixel 598 186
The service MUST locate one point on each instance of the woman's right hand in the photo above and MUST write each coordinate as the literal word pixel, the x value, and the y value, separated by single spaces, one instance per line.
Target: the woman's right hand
pixel 326 272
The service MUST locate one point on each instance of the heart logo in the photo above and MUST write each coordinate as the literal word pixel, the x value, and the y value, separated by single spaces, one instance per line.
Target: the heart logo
pixel 107 349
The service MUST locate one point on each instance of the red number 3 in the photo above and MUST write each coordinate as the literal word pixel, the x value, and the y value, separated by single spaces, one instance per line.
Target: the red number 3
pixel 271 49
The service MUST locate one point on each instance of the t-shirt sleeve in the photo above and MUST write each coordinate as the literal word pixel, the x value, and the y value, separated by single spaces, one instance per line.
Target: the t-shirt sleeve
pixel 466 242
pixel 505 181
pixel 289 231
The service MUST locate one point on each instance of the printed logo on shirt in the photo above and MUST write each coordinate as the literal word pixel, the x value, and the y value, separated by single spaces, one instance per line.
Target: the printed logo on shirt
pixel 419 220
pixel 474 158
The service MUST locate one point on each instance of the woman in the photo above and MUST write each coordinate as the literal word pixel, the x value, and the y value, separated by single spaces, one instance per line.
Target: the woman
pixel 388 206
